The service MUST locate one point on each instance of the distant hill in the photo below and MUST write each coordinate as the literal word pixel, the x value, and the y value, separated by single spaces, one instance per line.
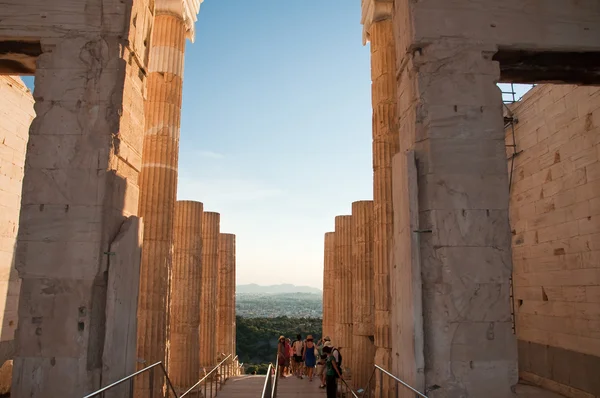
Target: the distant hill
pixel 276 289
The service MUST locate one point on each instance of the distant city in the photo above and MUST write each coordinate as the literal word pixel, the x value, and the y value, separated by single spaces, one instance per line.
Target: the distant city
pixel 254 301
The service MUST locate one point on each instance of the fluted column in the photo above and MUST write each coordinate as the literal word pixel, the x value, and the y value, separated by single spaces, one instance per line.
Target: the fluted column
pixel 343 287
pixel 378 29
pixel 173 23
pixel 226 296
pixel 328 285
pixel 363 308
pixel 158 186
pixel 185 294
pixel 208 298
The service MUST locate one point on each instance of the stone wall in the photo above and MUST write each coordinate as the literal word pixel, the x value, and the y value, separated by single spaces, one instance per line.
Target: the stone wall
pixel 16 114
pixel 80 183
pixel 555 222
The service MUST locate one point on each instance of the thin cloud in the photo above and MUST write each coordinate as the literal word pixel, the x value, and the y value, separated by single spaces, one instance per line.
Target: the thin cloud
pixel 210 154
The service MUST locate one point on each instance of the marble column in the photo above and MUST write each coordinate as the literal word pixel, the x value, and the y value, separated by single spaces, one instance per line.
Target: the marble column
pixel 363 307
pixel 328 285
pixel 186 283
pixel 173 23
pixel 226 296
pixel 78 244
pixel 378 30
pixel 343 288
pixel 208 298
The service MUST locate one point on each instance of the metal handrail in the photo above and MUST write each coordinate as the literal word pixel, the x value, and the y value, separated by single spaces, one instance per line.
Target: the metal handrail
pixel 398 380
pixel 130 378
pixel 349 388
pixel 275 380
pixel 206 376
pixel 168 381
pixel 268 383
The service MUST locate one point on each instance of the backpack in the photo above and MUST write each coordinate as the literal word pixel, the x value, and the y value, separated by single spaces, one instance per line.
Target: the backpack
pixel 339 363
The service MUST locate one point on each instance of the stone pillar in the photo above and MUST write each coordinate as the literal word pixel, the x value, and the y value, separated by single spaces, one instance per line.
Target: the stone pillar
pixel 226 296
pixel 378 29
pixel 80 187
pixel 185 294
pixel 343 287
pixel 208 298
pixel 16 114
pixel 328 285
pixel 173 23
pixel 452 236
pixel 363 307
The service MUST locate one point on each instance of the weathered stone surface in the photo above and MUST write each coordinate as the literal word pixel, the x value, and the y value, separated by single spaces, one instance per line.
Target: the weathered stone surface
pixel 119 354
pixel 328 285
pixel 226 297
pixel 184 363
pixel 16 114
pixel 343 287
pixel 208 299
pixel 363 306
pixel 554 209
pixel 468 345
pixel 82 154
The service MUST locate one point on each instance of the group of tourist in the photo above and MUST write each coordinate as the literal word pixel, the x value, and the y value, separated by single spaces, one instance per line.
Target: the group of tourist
pixel 302 358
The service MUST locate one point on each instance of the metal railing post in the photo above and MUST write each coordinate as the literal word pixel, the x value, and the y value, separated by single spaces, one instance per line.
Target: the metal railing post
pixel 380 384
pixel 151 380
pixel 131 388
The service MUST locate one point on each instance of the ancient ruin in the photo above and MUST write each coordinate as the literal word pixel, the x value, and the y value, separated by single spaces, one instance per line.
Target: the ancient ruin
pixel 378 30
pixel 328 285
pixel 363 307
pixel 186 281
pixel 173 24
pixel 208 298
pixel 226 297
pixel 475 266
pixel 79 187
pixel 343 273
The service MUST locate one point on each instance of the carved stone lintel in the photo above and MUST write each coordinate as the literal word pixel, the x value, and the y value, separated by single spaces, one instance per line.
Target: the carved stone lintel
pixel 373 11
pixel 187 9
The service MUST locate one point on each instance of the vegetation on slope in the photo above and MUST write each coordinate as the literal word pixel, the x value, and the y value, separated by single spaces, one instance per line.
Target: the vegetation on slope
pixel 257 338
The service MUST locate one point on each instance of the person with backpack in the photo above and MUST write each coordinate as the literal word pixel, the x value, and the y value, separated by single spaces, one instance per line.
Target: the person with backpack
pixel 298 348
pixel 333 370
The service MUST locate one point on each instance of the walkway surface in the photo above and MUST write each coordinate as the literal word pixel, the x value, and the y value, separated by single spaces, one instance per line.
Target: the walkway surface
pixel 251 387
pixel 292 387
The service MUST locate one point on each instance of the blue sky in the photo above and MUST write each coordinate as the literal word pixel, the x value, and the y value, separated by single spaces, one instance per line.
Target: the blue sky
pixel 276 128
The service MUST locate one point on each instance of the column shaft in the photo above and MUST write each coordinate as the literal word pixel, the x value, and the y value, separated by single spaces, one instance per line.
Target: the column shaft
pixel 385 145
pixel 158 187
pixel 328 285
pixel 226 296
pixel 208 298
pixel 363 307
pixel 343 287
pixel 185 294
